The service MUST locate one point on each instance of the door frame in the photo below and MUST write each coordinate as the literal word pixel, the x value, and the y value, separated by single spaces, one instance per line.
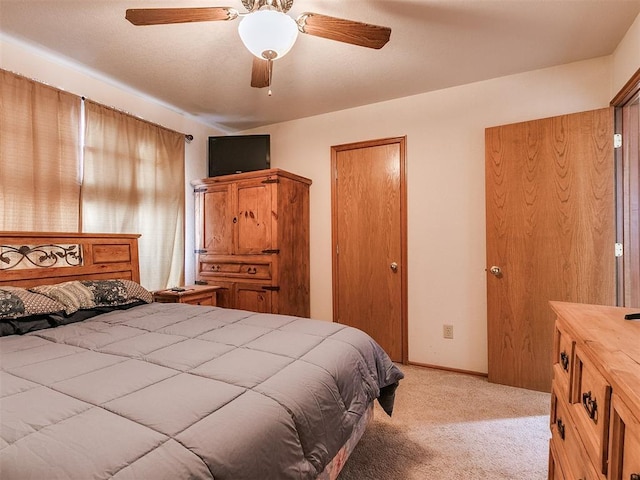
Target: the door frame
pixel 626 229
pixel 335 149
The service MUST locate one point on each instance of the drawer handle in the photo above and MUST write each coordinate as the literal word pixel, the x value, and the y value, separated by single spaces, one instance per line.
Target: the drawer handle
pixel 252 270
pixel 590 405
pixel 560 425
pixel 635 476
pixel 564 360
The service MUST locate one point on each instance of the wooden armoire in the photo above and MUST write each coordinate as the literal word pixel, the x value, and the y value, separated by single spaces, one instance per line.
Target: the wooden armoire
pixel 252 239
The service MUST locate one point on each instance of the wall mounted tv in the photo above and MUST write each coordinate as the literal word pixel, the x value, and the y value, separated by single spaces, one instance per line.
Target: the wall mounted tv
pixel 238 153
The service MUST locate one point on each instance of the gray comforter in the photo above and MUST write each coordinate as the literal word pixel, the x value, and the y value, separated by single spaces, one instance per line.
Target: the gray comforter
pixel 178 391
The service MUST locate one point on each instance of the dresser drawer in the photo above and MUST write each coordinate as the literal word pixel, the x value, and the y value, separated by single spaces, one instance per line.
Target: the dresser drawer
pixel 591 398
pixel 570 455
pixel 624 447
pixel 555 465
pixel 563 352
pixel 260 270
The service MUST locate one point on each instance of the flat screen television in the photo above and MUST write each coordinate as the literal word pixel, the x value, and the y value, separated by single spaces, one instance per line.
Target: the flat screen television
pixel 238 153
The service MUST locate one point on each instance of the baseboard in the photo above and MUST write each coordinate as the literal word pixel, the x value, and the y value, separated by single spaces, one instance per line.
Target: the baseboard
pixel 448 369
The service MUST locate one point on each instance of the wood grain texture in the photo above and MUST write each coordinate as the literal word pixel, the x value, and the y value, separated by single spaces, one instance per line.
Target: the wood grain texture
pixel 254 216
pixel 266 246
pixel 105 256
pixel 260 75
pixel 163 16
pixel 550 228
pixel 607 347
pixel 367 210
pixel 218 208
pixel 346 31
pixel 631 200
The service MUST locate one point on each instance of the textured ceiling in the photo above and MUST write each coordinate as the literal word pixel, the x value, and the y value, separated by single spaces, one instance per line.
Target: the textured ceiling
pixel 203 68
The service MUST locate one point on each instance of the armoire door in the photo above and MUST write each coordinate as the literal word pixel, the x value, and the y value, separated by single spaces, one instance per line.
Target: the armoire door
pixel 217 220
pixel 254 217
pixel 550 213
pixel 369 239
pixel 252 297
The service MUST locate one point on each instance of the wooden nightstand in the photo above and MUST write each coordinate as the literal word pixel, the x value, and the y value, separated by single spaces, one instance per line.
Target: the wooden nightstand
pixel 193 294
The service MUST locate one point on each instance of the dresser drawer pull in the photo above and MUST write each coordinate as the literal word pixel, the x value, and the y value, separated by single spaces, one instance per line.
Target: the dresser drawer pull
pixel 590 405
pixel 564 360
pixel 252 270
pixel 560 425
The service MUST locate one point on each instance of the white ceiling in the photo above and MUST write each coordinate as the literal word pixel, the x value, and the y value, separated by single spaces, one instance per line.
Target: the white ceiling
pixel 203 68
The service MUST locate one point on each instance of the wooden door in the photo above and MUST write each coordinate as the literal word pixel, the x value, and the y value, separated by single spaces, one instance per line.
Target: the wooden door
pixel 253 227
pixel 550 232
pixel 369 240
pixel 217 220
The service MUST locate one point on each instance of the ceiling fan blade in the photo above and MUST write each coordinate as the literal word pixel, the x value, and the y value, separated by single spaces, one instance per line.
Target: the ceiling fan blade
pixel 161 16
pixel 341 30
pixel 260 73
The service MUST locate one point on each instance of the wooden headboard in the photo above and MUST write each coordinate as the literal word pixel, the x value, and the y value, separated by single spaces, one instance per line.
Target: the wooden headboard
pixel 28 259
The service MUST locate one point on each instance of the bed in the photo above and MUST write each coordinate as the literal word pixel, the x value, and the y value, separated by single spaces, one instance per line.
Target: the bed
pixel 108 385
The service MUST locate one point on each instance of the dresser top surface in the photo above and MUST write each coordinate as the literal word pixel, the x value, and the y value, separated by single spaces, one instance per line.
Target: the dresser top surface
pixel 610 339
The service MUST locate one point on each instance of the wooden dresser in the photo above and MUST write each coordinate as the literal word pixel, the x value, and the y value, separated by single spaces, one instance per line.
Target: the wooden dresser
pixel 595 398
pixel 252 239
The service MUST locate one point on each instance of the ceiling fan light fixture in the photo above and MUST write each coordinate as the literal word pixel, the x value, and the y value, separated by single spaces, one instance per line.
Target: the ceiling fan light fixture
pixel 268 33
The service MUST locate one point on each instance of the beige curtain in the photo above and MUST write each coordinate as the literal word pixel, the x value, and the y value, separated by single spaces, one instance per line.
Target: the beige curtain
pixel 133 182
pixel 39 156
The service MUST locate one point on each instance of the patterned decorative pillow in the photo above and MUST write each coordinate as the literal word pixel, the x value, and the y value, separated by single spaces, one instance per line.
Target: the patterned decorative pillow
pixel 107 292
pixel 73 295
pixel 16 302
pixel 117 292
pixel 137 291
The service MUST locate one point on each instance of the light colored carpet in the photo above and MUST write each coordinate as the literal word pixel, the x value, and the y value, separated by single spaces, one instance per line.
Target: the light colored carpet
pixel 449 426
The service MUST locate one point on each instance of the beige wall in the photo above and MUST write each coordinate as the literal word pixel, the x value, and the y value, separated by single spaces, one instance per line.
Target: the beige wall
pixel 626 58
pixel 31 63
pixel 445 165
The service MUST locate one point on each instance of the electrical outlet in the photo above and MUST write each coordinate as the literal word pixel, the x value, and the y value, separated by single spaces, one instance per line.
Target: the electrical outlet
pixel 447 331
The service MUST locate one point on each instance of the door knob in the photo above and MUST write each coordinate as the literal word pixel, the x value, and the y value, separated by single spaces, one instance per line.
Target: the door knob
pixel 495 271
pixel 394 266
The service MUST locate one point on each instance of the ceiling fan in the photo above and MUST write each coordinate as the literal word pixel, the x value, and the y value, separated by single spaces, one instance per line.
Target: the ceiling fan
pixel 266 29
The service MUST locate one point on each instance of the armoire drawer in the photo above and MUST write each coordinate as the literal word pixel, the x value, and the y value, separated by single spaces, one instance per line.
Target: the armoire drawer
pixel 570 454
pixel 591 398
pixel 563 361
pixel 624 446
pixel 258 270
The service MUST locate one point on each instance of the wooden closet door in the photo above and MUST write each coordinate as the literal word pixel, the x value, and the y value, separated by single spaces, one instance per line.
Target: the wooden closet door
pixel 550 232
pixel 369 237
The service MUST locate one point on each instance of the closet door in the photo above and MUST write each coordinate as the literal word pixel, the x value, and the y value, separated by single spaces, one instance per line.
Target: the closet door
pixel 369 236
pixel 550 235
